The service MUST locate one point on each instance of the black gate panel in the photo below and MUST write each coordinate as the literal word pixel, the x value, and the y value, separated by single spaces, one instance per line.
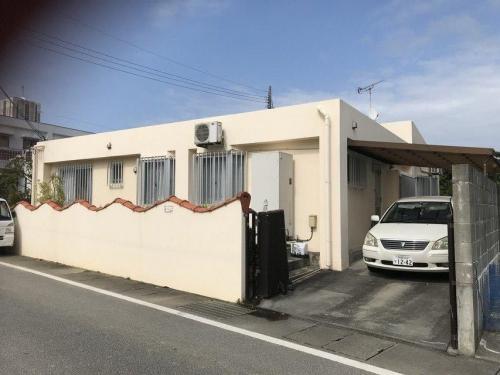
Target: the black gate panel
pixel 251 258
pixel 272 254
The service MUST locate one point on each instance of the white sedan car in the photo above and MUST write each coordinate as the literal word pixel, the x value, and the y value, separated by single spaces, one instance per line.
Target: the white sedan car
pixel 411 236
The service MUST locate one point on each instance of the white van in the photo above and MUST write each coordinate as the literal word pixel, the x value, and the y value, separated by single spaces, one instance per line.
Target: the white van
pixel 6 225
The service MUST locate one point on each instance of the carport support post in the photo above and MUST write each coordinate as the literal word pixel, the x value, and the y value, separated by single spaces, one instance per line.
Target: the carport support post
pixel 466 290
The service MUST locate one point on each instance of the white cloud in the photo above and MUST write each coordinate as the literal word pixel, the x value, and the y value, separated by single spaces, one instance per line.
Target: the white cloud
pixel 165 10
pixel 445 77
pixel 452 91
pixel 401 11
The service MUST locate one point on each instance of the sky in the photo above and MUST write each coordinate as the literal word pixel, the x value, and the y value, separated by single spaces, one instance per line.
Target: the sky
pixel 439 59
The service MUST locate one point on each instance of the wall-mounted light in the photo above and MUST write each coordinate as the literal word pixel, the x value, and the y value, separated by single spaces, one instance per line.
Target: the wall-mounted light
pixel 354 125
pixel 108 146
pixel 135 170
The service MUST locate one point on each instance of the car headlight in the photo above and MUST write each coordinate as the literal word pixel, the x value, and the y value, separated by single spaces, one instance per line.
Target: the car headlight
pixel 370 240
pixel 441 244
pixel 9 228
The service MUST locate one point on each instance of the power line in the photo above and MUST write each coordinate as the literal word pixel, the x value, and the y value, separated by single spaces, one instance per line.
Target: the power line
pixel 37 132
pixel 74 119
pixel 140 75
pixel 162 74
pixel 138 47
pixel 225 91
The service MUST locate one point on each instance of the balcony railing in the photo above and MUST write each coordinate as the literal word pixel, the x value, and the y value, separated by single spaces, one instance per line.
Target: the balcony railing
pixel 7 155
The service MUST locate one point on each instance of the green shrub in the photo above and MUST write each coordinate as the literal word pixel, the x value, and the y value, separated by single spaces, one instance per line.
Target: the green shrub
pixel 51 190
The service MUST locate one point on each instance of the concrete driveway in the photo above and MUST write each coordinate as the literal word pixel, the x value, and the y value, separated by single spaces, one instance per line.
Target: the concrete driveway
pixel 407 306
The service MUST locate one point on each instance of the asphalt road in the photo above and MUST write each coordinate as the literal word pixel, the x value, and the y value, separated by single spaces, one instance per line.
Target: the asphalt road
pixel 47 327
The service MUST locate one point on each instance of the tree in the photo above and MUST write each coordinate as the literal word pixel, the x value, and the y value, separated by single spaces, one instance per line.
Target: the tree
pixel 52 190
pixel 445 184
pixel 15 180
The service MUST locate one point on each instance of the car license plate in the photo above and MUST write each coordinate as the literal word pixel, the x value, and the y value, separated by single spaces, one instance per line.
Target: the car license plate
pixel 402 260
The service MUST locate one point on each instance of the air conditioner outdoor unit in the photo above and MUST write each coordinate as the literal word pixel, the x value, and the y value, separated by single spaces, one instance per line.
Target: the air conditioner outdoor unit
pixel 208 134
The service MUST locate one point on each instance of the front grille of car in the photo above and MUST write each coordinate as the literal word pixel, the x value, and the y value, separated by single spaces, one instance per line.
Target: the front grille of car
pixel 404 245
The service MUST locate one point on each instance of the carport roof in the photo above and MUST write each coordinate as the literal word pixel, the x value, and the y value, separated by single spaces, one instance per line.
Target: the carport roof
pixel 424 155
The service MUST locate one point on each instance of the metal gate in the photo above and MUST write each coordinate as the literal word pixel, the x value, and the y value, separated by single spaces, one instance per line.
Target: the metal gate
pixel 266 255
pixel 155 179
pixel 217 176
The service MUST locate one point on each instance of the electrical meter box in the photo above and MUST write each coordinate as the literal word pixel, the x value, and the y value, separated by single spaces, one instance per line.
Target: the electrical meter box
pixel 272 184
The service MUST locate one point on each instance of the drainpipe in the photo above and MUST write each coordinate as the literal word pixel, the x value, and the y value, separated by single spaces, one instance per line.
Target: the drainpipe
pixel 328 185
pixel 34 175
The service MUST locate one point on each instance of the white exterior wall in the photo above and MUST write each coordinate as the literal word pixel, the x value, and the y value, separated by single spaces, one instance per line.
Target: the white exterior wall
pixel 298 130
pixel 406 130
pixel 156 246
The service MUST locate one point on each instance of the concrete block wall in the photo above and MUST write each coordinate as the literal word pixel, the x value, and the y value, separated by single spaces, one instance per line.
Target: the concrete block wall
pixel 477 245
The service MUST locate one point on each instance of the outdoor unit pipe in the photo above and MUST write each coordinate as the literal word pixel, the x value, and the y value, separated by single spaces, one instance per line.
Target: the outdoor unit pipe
pixel 328 187
pixel 34 175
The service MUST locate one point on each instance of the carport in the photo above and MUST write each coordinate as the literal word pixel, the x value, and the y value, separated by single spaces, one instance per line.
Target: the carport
pixel 424 309
pixel 431 156
pixel 474 233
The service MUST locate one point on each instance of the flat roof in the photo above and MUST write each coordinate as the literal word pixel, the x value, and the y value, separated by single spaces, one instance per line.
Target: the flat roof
pixel 424 155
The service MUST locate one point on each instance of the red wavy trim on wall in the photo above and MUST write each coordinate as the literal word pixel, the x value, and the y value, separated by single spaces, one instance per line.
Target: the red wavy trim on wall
pixel 243 197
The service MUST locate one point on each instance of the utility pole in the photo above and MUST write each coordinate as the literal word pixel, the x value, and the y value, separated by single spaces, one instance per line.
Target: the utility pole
pixel 270 104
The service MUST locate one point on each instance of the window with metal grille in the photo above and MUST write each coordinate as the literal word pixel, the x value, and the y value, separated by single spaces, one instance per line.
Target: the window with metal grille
pixel 77 182
pixel 356 171
pixel 156 179
pixel 217 176
pixel 115 174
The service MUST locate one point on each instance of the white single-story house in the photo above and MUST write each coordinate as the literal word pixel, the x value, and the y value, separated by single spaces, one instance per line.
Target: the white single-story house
pixel 295 158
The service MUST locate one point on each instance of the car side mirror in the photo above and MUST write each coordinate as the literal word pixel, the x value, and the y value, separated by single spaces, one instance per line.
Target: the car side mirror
pixel 375 218
pixel 13 213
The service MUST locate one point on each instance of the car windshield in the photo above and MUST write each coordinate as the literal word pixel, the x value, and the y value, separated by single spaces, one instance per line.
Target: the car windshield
pixel 418 213
pixel 4 211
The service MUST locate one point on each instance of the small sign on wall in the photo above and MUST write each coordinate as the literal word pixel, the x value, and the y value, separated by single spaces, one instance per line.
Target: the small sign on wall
pixel 168 208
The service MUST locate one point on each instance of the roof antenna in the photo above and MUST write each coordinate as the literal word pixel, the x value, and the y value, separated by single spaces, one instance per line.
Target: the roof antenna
pixel 22 92
pixel 373 114
pixel 269 100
